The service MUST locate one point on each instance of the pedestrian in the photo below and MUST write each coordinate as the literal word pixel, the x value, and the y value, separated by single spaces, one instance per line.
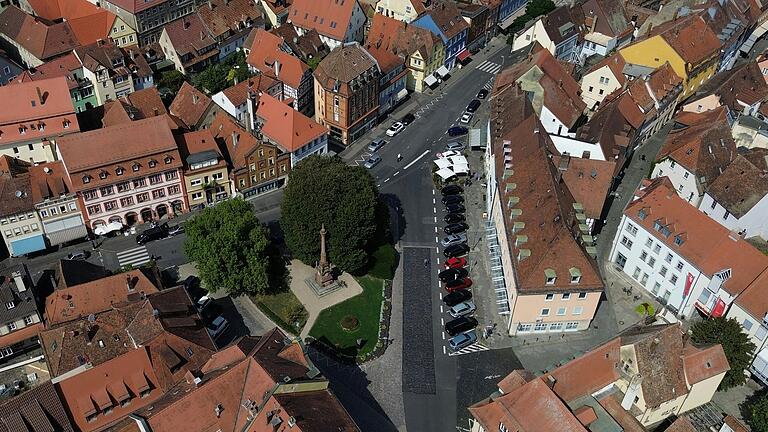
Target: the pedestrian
pixel 399 157
pixel 426 262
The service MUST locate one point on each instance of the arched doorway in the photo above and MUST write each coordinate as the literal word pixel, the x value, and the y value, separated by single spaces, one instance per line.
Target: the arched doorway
pixel 146 215
pixel 161 210
pixel 96 223
pixel 115 219
pixel 131 218
pixel 177 206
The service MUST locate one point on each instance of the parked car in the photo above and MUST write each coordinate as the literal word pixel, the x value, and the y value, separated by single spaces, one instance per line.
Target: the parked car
pixel 456 297
pixel 454 239
pixel 408 119
pixel 395 129
pixel 452 218
pixel 447 154
pixel 473 106
pixel 451 190
pixel 455 146
pixel 372 161
pixel 460 325
pixel 458 284
pixel 466 118
pixel 191 283
pixel 80 255
pixel 455 208
pixel 154 233
pixel 176 230
pixel 455 262
pixel 452 274
pixel 217 327
pixel 462 340
pixel 457 131
pixel 376 144
pixel 456 250
pixel 456 228
pixel 452 199
pixel 203 302
pixel 461 309
pixel 482 94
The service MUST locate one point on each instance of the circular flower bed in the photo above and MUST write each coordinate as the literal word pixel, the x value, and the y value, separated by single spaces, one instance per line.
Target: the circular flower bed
pixel 349 323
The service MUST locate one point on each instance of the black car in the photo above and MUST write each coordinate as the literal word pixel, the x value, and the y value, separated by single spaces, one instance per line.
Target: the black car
pixel 456 250
pixel 456 297
pixel 154 233
pixel 452 274
pixel 452 218
pixel 482 94
pixel 460 325
pixel 473 106
pixel 452 199
pixel 455 228
pixel 455 208
pixel 451 190
pixel 408 119
pixel 80 255
pixel 457 131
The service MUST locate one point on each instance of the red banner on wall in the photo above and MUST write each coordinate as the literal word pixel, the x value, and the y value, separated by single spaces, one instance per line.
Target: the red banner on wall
pixel 719 309
pixel 688 283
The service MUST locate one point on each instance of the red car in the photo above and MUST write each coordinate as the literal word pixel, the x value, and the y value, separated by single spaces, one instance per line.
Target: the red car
pixel 458 284
pixel 455 262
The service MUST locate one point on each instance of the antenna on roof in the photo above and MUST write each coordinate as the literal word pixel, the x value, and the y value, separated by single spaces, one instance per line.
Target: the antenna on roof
pixel 91 318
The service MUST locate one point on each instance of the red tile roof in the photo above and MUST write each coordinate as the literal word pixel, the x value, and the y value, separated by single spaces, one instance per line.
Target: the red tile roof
pixel 188 35
pixel 238 93
pixel 681 424
pixel 343 65
pixel 104 386
pixel 38 409
pixel 330 18
pixel 138 105
pixel 588 180
pixel 706 244
pixel 447 17
pixel 289 128
pixel 237 141
pixel 267 57
pixel 702 364
pixel 691 38
pixel 224 17
pixel 190 105
pixel 742 184
pixel 45 102
pixel 64 66
pixel 42 40
pixel 14 178
pixel 134 6
pixel 49 181
pixel 530 184
pixel 587 373
pixel 401 38
pixel 624 418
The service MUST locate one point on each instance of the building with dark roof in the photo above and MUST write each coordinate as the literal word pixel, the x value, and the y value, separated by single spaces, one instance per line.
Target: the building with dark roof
pixel 56 203
pixel 641 377
pixel 443 18
pixel 114 71
pixel 37 410
pixel 34 41
pixel 308 46
pixel 229 22
pixel 20 223
pixel 557 31
pixel 194 109
pixel 188 44
pixel 347 93
pixel 149 17
pixel 20 320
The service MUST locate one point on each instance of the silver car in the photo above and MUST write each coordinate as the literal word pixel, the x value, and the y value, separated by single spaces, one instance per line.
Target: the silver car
pixel 454 239
pixel 461 309
pixel 462 340
pixel 376 144
pixel 454 145
pixel 372 161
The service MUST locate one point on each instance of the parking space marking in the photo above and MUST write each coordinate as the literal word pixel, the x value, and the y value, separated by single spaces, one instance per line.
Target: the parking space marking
pixel 442 322
pixel 435 219
pixel 433 191
pixel 434 209
pixel 433 201
pixel 441 309
pixel 436 229
pixel 443 336
pixel 443 349
pixel 437 239
pixel 438 262
pixel 475 347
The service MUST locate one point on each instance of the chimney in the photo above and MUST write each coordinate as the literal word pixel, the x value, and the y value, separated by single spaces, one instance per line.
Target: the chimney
pixel 194 99
pixel 210 5
pixel 129 283
pixel 219 409
pixel 277 68
pixel 40 96
pixel 156 111
pixel 550 381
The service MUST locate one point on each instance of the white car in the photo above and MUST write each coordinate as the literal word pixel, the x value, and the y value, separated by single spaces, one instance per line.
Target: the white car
pixel 466 118
pixel 453 239
pixel 461 309
pixel 217 327
pixel 203 302
pixel 395 129
pixel 372 161
pixel 447 154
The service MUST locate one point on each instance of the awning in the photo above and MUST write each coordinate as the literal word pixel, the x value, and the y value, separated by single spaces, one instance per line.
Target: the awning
pixel 442 71
pixel 66 234
pixel 446 173
pixel 460 169
pixel 27 245
pixel 430 80
pixel 108 228
pixel 458 160
pixel 442 163
pixel 402 94
pixel 463 55
pixel 477 139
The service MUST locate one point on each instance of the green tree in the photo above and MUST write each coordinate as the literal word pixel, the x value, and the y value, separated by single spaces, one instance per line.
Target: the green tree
pixel 755 411
pixel 211 80
pixel 533 10
pixel 171 80
pixel 735 342
pixel 231 249
pixel 324 190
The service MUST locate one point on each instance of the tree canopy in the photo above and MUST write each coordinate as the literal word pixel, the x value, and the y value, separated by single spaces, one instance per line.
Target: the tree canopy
pixel 736 344
pixel 230 248
pixel 217 77
pixel 756 409
pixel 324 190
pixel 534 9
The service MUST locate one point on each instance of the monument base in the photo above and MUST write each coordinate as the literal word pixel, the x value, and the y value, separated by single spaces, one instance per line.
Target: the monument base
pixel 321 290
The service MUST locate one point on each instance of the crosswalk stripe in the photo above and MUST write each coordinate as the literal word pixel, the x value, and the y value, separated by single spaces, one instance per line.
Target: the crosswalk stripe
pixel 489 67
pixel 135 256
pixel 476 347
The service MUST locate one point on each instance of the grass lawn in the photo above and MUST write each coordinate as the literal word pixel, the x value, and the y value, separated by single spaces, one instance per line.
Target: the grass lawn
pixel 366 307
pixel 283 308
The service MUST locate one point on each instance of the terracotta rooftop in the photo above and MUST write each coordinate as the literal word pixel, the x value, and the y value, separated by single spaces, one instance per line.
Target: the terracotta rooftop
pixel 49 181
pixel 610 128
pixel 44 102
pixel 681 424
pixel 278 6
pixel 330 18
pixel 189 105
pixel 401 38
pixel 560 24
pixel 238 93
pixel 343 65
pixel 235 142
pixel 134 6
pixel 64 66
pixel 609 16
pixel 199 146
pixel 533 194
pixel 734 424
pixel 289 128
pixel 702 364
pixel 615 63
pixel 15 186
pixel 306 46
pixel 588 180
pixel 38 409
pixel 742 85
pixel 625 419
pixel 267 57
pixel 753 299
pixel 188 35
pixel 77 302
pixel 742 184
pixel 88 21
pixel 223 17
pixel 587 373
pixel 42 40
pixel 138 105
pixel 704 148
pixel 447 17
pixel 704 243
pixel 691 38
pixel 116 60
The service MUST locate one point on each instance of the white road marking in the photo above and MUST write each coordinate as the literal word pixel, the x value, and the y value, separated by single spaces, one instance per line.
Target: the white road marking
pixel 434 209
pixel 442 321
pixel 441 296
pixel 416 160
pixel 443 334
pixel 475 347
pixel 443 349
pixel 433 191
pixel 435 229
pixel 396 173
pixel 386 179
pixel 134 257
pixel 441 309
pixel 437 239
pixel 433 201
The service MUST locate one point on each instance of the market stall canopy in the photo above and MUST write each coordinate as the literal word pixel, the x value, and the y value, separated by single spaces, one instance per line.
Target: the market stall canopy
pixel 442 163
pixel 442 71
pixel 108 228
pixel 430 80
pixel 446 173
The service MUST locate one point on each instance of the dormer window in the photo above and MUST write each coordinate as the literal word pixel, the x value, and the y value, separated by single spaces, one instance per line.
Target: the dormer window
pixel 135 167
pixel 22 130
pixel 679 240
pixel 103 175
pixel 551 276
pixel 86 179
pixel 642 214
pixel 66 124
pixel 657 225
pixel 168 160
pixel 119 171
pixel 575 275
pixel 10 305
pixel 152 163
